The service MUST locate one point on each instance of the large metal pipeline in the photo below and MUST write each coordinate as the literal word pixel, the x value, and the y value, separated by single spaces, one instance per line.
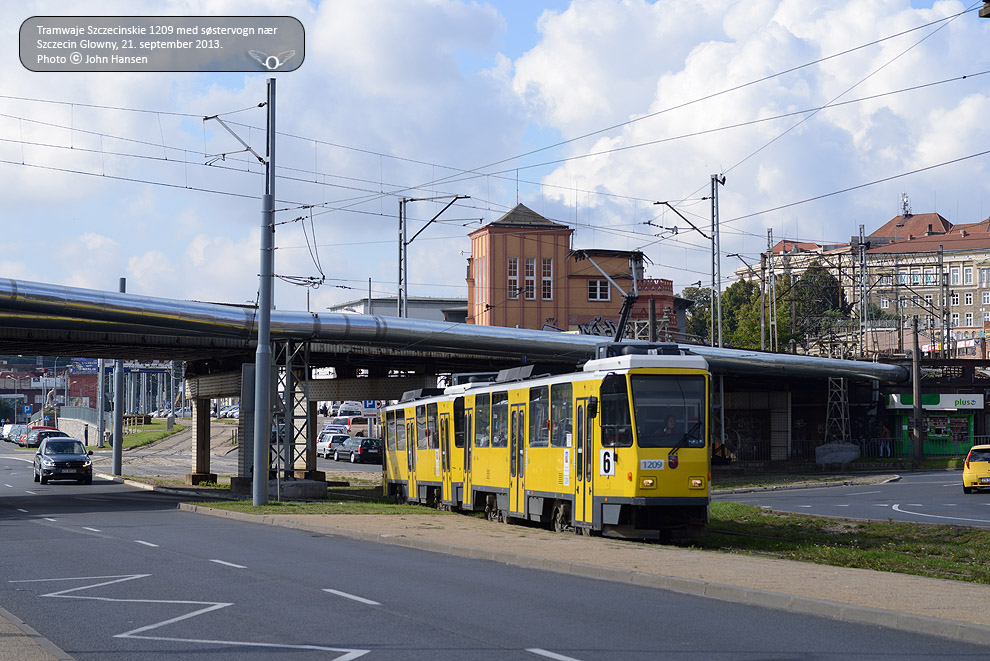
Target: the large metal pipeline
pixel 26 304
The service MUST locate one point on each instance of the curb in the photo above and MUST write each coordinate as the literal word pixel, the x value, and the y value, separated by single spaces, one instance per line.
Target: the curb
pixel 34 638
pixel 953 629
pixel 790 487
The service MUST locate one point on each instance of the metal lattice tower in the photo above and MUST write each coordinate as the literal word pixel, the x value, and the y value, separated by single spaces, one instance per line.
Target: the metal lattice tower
pixel 837 415
pixel 772 291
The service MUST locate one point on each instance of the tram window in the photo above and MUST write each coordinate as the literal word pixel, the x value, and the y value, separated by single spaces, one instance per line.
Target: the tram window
pixel 390 430
pixel 482 404
pixel 561 412
pixel 616 422
pixel 500 419
pixel 661 399
pixel 400 430
pixel 459 421
pixel 421 439
pixel 432 437
pixel 539 417
pixel 512 450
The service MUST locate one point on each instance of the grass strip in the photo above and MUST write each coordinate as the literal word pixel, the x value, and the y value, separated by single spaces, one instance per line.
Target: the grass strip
pixel 936 551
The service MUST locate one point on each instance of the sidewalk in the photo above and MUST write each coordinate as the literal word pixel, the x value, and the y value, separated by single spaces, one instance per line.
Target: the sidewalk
pixel 945 608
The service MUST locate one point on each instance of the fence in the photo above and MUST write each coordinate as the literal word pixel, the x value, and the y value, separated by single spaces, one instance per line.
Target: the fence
pixel 870 448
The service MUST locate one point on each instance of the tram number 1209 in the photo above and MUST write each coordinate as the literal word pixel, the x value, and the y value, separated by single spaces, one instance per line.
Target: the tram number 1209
pixel 606 462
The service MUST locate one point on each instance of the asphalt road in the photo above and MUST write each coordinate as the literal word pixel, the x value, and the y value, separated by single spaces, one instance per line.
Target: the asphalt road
pixel 108 569
pixel 930 497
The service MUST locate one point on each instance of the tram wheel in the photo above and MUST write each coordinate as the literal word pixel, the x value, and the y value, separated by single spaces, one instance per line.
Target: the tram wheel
pixel 561 518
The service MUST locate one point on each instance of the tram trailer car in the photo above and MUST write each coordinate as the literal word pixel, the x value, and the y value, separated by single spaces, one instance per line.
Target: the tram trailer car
pixel 620 448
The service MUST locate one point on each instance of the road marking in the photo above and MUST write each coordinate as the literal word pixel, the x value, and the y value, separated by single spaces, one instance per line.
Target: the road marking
pixel 20 510
pixel 842 505
pixel 30 492
pixel 154 546
pixel 346 654
pixel 229 564
pixel 91 529
pixel 550 655
pixel 352 596
pixel 915 505
pixel 862 493
pixel 49 519
pixel 9 486
pixel 881 504
pixel 897 508
pixel 805 506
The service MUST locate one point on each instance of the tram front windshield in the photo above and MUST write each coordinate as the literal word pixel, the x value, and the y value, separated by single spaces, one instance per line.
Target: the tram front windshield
pixel 669 410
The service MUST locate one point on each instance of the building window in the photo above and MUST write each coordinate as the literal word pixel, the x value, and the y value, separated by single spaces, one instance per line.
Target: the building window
pixel 986 298
pixel 884 302
pixel 928 300
pixel 985 276
pixel 930 278
pixel 955 318
pixel 513 278
pixel 886 279
pixel 598 290
pixel 902 278
pixel 968 275
pixel 914 300
pixel 547 279
pixel 954 276
pixel 968 298
pixel 969 319
pixel 530 278
pixel 916 277
pixel 955 299
pixel 986 317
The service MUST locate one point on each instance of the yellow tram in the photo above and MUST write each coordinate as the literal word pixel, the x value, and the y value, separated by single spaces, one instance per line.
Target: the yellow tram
pixel 619 448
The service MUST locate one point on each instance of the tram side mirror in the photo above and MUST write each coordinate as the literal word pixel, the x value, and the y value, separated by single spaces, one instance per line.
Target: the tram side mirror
pixel 593 408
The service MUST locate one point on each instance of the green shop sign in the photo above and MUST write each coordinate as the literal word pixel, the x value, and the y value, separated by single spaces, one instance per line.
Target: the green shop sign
pixel 938 401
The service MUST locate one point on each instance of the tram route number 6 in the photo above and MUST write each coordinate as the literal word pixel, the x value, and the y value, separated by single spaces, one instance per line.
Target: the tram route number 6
pixel 606 464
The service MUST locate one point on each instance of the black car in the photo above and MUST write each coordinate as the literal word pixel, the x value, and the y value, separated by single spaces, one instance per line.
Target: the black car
pixel 361 450
pixel 63 458
pixel 36 436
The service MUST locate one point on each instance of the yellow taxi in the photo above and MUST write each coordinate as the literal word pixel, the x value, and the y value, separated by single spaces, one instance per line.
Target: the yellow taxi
pixel 976 471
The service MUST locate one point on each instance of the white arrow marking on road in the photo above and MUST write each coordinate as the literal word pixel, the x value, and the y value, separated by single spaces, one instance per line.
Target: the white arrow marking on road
pixel 352 596
pixel 348 654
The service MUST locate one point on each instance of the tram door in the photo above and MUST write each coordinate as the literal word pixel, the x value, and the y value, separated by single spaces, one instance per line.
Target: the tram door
pixel 411 457
pixel 517 459
pixel 468 441
pixel 583 466
pixel 448 494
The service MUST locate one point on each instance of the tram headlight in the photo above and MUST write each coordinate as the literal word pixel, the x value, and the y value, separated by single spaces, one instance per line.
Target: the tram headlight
pixel 649 482
pixel 697 483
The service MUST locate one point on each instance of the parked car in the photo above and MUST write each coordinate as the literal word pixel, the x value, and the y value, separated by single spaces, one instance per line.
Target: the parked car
pixel 356 425
pixel 362 450
pixel 22 439
pixel 63 458
pixel 328 442
pixel 5 432
pixel 976 469
pixel 335 429
pixel 36 436
pixel 15 433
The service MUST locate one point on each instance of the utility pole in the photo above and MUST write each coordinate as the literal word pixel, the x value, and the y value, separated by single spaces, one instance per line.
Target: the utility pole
pixel 717 179
pixel 772 293
pixel 263 355
pixel 862 293
pixel 402 301
pixel 118 408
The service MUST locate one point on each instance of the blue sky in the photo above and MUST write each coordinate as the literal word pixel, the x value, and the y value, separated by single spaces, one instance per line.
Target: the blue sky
pixel 395 96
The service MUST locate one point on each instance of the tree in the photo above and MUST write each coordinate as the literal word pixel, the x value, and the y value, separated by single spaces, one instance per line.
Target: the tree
pixel 699 314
